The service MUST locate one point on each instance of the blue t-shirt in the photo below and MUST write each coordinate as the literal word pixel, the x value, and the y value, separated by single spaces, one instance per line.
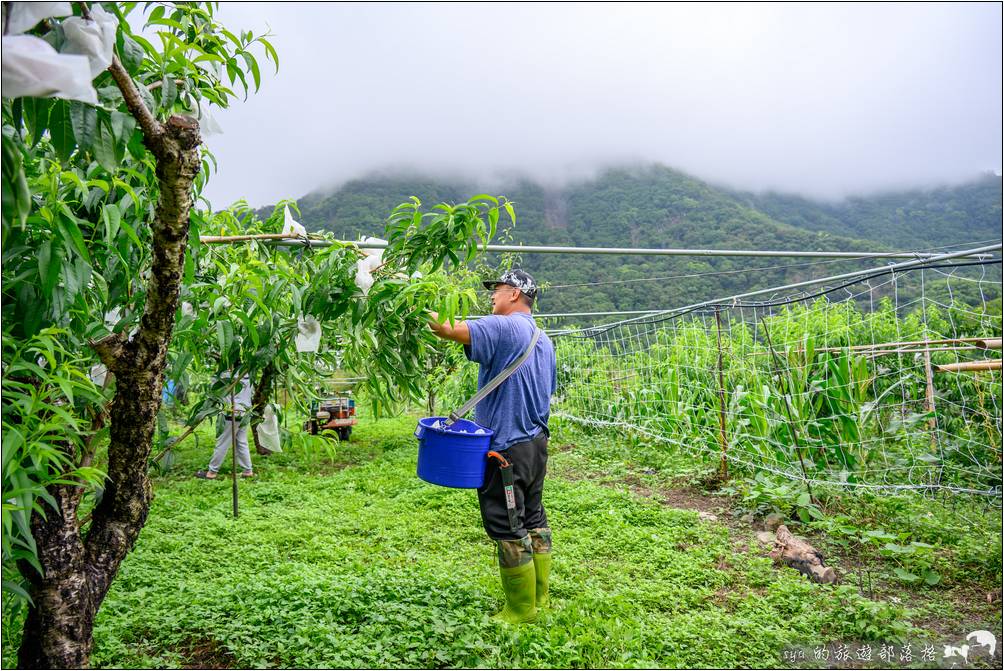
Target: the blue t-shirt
pixel 518 410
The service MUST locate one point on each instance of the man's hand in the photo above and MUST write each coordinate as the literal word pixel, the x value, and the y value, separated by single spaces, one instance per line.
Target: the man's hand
pixel 458 332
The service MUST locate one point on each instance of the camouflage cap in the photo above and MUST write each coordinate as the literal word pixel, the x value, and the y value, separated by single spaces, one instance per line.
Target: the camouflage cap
pixel 520 279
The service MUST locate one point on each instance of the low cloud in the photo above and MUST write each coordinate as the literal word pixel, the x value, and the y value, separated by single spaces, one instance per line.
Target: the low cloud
pixel 823 100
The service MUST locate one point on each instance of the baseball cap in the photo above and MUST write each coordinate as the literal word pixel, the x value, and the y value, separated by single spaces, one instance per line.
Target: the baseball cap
pixel 520 279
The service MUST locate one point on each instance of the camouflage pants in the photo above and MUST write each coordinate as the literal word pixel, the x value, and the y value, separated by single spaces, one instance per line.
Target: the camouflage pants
pixel 519 552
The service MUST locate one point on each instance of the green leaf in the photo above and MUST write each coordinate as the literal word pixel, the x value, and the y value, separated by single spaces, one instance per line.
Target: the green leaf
pixel 16 195
pixel 36 116
pixel 49 263
pixel 68 224
pixel 168 93
pixel 932 577
pixel 15 588
pixel 84 119
pixel 903 574
pixel 112 218
pixel 122 125
pixel 252 63
pixel 270 52
pixel 61 130
pixel 132 54
pixel 147 97
pixel 104 147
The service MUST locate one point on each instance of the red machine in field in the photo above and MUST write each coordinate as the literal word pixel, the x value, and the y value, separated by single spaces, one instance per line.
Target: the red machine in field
pixel 337 414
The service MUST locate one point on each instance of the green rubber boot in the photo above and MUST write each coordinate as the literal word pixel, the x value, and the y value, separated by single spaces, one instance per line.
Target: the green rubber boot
pixel 519 585
pixel 540 543
pixel 542 570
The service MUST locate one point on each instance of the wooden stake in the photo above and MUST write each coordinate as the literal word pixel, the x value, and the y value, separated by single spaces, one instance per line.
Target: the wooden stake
pixel 932 423
pixel 233 448
pixel 722 437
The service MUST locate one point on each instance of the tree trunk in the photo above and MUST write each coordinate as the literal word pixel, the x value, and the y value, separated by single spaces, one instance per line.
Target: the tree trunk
pixel 78 571
pixel 57 632
pixel 262 396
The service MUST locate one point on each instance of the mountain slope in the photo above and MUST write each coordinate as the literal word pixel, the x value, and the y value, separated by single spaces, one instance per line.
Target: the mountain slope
pixel 656 206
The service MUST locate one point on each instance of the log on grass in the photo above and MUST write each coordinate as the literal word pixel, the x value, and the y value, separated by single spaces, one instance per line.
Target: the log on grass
pixel 801 556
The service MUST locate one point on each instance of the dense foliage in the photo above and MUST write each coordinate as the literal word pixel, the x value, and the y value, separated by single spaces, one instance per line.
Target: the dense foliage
pixel 78 241
pixel 908 219
pixel 106 288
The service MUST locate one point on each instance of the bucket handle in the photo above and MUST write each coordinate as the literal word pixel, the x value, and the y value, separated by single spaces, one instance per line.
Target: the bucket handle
pixel 494 382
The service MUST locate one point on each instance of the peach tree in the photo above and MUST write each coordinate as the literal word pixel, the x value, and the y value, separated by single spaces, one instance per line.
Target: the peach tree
pixel 102 210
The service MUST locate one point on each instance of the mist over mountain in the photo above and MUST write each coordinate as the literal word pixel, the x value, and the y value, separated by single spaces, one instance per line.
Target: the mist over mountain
pixel 657 206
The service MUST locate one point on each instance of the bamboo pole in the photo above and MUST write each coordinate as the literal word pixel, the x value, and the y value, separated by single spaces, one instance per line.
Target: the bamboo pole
pixel 984 343
pixel 884 352
pixel 992 364
pixel 228 239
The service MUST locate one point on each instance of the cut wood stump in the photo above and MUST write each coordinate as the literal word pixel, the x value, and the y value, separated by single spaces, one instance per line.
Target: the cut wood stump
pixel 801 556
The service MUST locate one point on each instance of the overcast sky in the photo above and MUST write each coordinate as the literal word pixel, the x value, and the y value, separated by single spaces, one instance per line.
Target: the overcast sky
pixel 823 100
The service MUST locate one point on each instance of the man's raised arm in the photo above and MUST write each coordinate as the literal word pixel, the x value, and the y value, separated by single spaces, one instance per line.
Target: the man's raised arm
pixel 458 332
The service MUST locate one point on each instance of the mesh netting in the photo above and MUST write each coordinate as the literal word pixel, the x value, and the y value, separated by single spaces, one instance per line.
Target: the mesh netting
pixel 889 381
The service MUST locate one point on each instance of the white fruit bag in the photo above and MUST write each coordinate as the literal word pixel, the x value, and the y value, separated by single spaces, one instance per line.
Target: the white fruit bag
pixel 308 339
pixel 268 430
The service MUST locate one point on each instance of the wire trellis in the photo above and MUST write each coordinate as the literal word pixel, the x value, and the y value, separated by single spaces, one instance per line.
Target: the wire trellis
pixel 853 385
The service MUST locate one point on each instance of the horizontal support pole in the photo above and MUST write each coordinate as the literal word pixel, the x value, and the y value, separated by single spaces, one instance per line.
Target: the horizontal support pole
pixel 641 251
pixel 902 265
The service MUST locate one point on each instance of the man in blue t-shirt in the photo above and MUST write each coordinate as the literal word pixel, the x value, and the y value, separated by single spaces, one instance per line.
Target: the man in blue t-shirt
pixel 517 411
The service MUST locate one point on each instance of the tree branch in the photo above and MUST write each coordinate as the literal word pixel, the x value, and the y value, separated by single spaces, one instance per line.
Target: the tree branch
pixel 110 350
pixel 152 129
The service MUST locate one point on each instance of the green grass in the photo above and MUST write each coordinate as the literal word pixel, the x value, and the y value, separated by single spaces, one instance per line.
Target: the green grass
pixel 344 558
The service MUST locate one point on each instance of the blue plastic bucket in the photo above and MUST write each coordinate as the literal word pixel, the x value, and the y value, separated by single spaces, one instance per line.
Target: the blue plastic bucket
pixel 454 456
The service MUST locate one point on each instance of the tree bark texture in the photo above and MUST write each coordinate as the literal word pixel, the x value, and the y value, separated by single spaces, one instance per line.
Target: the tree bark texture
pixel 79 569
pixel 262 396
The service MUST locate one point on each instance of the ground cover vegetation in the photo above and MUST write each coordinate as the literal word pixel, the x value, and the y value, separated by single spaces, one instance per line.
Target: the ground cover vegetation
pixel 322 568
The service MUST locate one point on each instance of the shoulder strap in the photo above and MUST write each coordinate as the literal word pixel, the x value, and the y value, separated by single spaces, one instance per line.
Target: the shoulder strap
pixel 495 381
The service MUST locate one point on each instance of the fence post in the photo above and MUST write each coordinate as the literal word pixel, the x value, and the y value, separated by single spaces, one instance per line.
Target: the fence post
pixel 723 469
pixel 932 423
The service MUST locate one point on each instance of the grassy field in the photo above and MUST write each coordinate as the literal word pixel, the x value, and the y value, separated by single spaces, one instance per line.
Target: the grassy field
pixel 344 558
